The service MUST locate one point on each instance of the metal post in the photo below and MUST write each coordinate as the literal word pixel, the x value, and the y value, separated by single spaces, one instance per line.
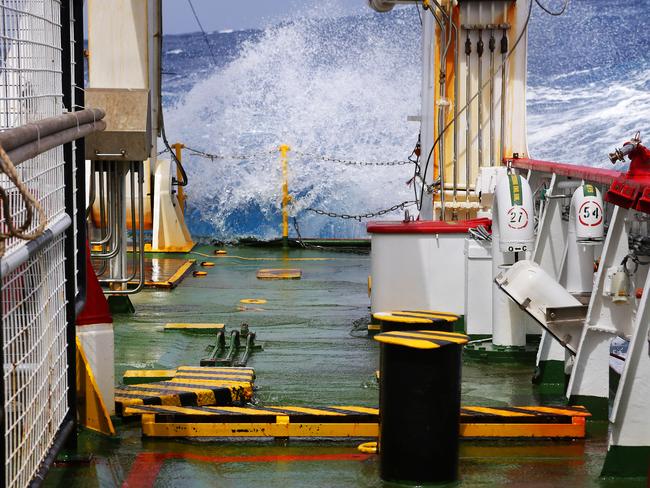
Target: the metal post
pixel 286 198
pixel 178 149
pixel 468 114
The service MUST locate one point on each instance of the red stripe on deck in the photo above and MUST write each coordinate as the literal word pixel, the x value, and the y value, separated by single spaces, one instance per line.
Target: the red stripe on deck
pixel 147 465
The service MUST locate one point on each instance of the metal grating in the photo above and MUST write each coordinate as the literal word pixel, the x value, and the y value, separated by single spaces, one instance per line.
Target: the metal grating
pixel 34 360
pixel 35 376
pixel 30 89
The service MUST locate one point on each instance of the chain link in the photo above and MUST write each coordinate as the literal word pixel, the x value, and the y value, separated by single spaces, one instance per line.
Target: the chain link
pixel 361 217
pixel 352 162
pixel 347 162
pixel 214 157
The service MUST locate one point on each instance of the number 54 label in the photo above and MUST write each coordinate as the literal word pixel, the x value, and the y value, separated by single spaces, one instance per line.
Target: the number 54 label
pixel 590 214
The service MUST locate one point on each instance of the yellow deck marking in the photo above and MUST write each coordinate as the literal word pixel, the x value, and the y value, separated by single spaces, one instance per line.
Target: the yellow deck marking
pixel 433 316
pixel 420 339
pixel 181 272
pixel 558 411
pixel 430 335
pixel 387 317
pixel 279 274
pixel 372 411
pixel 310 411
pixel 149 373
pixel 243 410
pixel 252 300
pixel 498 411
pixel 182 326
pixel 414 343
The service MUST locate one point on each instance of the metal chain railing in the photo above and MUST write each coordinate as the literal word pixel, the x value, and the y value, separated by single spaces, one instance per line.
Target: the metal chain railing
pixel 353 162
pixel 264 154
pixel 360 217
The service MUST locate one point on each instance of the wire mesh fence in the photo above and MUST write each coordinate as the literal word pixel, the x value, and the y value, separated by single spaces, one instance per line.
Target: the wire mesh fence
pixel 30 90
pixel 34 361
pixel 35 379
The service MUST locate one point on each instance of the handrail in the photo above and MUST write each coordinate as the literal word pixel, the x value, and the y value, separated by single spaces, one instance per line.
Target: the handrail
pixel 588 173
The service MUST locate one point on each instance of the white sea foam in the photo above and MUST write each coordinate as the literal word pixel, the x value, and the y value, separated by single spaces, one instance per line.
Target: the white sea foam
pixel 174 51
pixel 348 98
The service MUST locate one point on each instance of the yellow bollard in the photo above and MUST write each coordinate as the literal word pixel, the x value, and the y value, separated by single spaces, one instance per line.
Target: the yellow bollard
pixel 178 149
pixel 286 198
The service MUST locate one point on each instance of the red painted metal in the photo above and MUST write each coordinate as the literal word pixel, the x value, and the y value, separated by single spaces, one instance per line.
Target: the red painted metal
pixel 587 173
pixel 632 189
pixel 427 226
pixel 96 310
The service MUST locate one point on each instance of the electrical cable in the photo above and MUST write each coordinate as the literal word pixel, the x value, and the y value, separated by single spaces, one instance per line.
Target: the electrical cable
pixel 461 110
pixel 205 35
pixel 554 14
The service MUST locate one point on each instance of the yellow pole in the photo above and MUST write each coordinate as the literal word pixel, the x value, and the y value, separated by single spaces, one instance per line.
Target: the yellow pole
pixel 284 149
pixel 178 149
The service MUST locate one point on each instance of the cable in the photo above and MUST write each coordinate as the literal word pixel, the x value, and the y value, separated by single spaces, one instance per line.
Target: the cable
pixel 485 84
pixel 555 14
pixel 205 36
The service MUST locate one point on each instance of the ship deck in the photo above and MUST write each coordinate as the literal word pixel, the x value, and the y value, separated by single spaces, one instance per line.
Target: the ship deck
pixel 316 353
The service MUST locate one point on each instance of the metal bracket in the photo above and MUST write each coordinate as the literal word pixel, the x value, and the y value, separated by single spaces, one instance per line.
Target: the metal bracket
pixel 566 315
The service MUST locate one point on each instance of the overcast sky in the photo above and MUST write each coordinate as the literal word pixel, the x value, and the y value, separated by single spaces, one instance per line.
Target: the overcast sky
pixel 243 14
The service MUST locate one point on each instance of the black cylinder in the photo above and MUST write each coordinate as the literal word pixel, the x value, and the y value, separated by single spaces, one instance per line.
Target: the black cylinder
pixel 420 411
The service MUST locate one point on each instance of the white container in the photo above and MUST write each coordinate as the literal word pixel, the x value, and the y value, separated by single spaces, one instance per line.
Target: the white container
pixel 419 265
pixel 478 284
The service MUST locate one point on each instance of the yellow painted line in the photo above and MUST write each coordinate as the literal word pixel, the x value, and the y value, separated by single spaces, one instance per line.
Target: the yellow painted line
pixel 558 411
pixel 418 340
pixel 372 411
pixel 184 326
pixel 199 274
pixel 148 373
pixel 253 300
pixel 310 411
pixel 208 264
pixel 432 316
pixel 242 410
pixel 152 429
pixel 208 382
pixel 181 272
pixel 414 343
pixel 522 430
pixel 279 274
pixel 168 409
pixel 220 252
pixel 208 369
pixel 497 411
pixel 430 335
pixel 387 317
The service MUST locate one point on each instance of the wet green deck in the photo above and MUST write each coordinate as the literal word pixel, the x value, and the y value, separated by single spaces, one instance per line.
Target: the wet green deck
pixel 311 357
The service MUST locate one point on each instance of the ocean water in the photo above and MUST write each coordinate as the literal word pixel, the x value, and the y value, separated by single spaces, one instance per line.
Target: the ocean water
pixel 343 87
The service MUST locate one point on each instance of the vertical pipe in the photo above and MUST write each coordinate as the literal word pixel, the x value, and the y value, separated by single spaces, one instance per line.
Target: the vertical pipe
pixel 468 113
pixel 479 52
pixel 456 100
pixel 491 46
pixel 284 149
pixel 70 244
pixel 441 121
pixel 504 51
pixel 178 150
